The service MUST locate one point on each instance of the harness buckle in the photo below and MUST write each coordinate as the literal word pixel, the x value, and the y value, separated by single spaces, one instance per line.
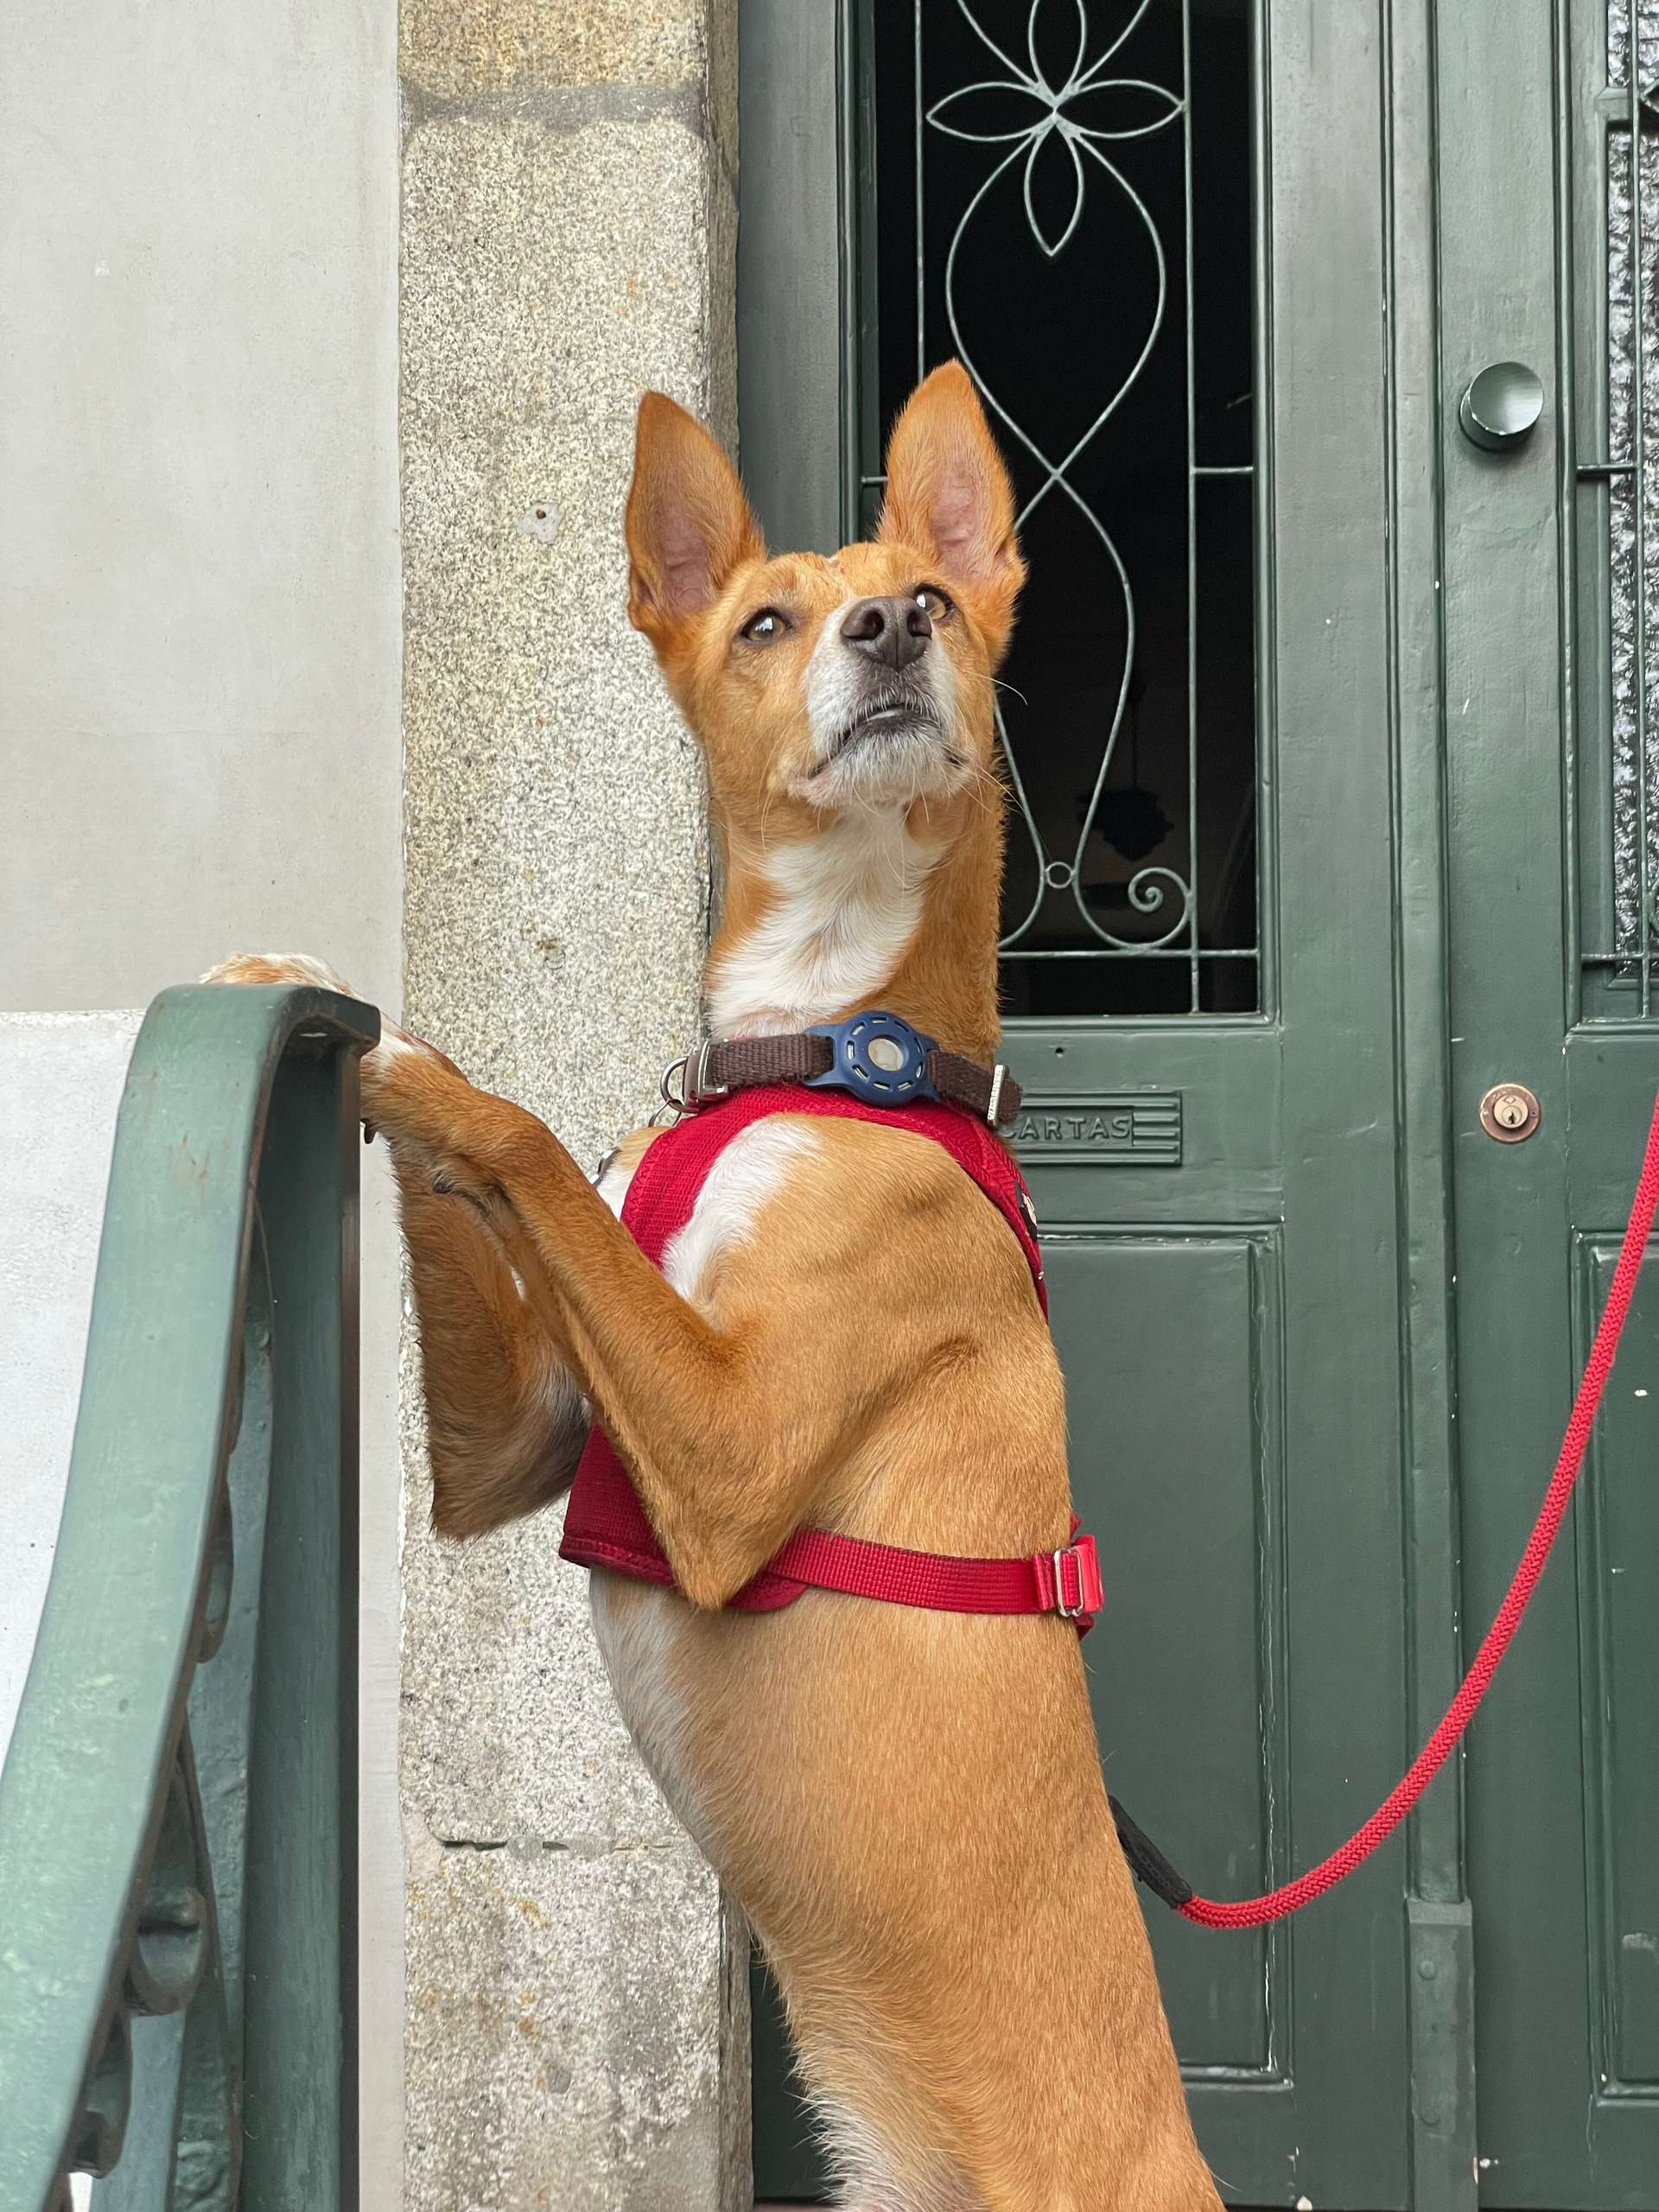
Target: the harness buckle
pixel 1084 1562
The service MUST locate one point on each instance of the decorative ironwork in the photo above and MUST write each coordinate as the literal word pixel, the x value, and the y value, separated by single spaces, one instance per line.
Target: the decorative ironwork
pixel 1065 93
pixel 1621 825
pixel 1057 124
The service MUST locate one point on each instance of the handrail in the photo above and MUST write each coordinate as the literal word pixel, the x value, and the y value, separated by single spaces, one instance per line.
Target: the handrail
pixel 177 1848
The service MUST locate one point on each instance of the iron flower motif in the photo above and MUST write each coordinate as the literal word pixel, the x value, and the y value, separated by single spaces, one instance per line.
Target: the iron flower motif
pixel 1055 123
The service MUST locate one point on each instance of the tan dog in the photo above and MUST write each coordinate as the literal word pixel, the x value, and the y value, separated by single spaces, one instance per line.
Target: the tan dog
pixel 908 1805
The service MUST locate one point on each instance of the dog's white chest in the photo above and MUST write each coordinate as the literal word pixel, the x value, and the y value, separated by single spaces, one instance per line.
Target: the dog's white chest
pixel 640 1631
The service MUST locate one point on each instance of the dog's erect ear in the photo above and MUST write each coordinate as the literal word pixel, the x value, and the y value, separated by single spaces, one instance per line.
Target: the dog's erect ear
pixel 688 525
pixel 950 496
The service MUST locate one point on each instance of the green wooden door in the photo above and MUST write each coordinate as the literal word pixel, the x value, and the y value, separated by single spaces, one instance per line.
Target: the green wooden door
pixel 1549 759
pixel 1327 734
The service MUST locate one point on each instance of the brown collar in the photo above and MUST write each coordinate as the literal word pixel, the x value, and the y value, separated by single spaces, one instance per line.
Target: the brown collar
pixel 873 1055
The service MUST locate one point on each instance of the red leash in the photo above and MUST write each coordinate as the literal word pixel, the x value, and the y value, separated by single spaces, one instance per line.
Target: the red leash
pixel 1253 1913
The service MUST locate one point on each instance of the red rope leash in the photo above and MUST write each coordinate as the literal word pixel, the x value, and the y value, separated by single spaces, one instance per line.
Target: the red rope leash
pixel 1253 1913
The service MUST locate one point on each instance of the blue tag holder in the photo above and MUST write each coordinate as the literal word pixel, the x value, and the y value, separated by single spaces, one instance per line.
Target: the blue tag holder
pixel 877 1057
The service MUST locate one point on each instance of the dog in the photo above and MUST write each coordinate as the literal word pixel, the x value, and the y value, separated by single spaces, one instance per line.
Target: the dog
pixel 906 1803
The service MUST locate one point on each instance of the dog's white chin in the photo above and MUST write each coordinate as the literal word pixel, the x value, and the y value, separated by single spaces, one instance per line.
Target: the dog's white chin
pixel 893 767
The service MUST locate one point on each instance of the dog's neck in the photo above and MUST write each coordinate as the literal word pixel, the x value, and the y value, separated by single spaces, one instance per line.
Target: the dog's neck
pixel 895 908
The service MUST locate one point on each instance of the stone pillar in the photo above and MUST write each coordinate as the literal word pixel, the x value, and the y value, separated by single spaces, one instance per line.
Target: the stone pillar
pixel 577 2025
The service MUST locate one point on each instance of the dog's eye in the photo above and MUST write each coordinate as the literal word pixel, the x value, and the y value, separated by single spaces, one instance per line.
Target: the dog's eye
pixel 937 605
pixel 765 627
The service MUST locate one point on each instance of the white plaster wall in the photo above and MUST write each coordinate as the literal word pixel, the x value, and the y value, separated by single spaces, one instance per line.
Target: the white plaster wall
pixel 200 669
pixel 198 595
pixel 61 1077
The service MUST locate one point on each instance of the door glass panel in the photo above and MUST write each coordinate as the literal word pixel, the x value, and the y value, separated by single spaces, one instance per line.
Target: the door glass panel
pixel 1059 193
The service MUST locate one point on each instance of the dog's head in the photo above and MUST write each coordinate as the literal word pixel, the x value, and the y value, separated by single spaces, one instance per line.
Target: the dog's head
pixel 818 688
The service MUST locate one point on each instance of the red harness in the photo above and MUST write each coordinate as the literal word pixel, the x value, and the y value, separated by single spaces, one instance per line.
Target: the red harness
pixel 605 1524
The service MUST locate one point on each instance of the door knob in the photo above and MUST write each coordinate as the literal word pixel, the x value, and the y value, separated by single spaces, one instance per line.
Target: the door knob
pixel 1501 405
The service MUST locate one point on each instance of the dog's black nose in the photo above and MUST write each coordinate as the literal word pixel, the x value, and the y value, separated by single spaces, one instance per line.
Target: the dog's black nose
pixel 895 631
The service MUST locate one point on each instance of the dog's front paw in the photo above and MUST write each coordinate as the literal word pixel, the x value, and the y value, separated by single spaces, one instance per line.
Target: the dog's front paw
pixel 278 967
pixel 405 1084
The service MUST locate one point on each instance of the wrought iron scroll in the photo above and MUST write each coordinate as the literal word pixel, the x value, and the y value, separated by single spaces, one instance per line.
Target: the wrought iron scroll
pixel 1059 100
pixel 1620 922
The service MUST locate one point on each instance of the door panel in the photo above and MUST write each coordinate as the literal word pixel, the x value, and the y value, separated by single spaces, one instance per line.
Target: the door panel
pixel 1191 1728
pixel 1618 1593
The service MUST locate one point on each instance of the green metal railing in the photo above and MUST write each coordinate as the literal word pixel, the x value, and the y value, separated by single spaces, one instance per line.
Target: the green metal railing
pixel 178 1806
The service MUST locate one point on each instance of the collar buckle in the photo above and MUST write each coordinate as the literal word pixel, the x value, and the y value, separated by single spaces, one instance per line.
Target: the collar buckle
pixel 691 1072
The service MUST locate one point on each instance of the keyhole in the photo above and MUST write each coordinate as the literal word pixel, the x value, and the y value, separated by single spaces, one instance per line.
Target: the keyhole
pixel 1509 1112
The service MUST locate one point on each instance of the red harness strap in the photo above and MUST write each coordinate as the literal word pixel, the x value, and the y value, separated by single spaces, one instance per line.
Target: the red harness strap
pixel 605 1524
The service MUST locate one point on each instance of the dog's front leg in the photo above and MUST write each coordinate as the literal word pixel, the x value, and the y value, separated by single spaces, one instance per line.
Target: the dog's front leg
pixel 730 1432
pixel 505 1422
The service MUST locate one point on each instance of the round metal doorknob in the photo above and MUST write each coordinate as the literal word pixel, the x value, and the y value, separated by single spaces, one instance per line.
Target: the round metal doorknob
pixel 1500 406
